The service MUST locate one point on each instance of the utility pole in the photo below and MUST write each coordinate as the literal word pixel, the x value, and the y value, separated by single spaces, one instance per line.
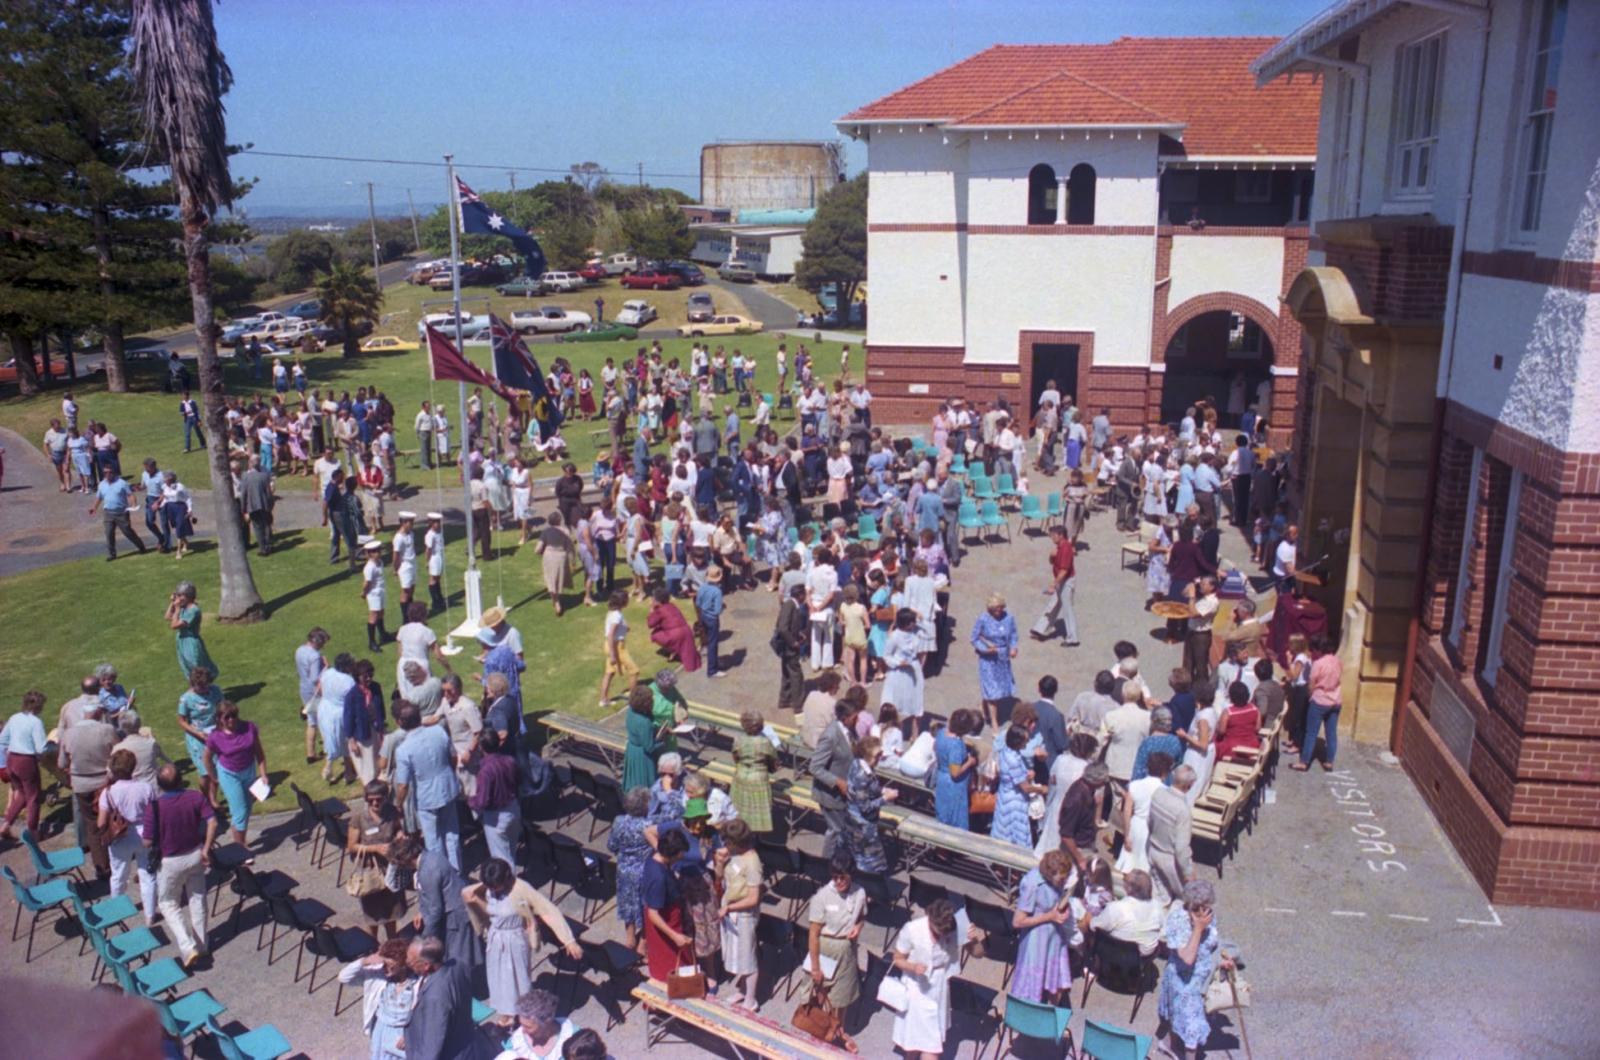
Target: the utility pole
pixel 416 232
pixel 641 174
pixel 372 223
pixel 513 175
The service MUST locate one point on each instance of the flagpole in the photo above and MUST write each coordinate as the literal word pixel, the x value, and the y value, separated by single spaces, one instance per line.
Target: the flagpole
pixel 472 580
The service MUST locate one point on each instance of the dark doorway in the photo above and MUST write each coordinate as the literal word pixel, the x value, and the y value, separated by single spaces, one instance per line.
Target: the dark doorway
pixel 1222 356
pixel 1057 361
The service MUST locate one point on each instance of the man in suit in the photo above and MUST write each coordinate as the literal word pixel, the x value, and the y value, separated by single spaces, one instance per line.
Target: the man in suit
pixel 441 1026
pixel 441 913
pixel 830 771
pixel 746 497
pixel 1052 724
pixel 951 492
pixel 791 637
pixel 786 485
pixel 1171 865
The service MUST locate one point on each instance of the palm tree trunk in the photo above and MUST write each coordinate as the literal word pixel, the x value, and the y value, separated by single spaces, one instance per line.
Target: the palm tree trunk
pixel 116 364
pixel 350 347
pixel 238 600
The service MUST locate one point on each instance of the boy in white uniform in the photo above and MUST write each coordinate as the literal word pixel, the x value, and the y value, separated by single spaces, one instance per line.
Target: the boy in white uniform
pixel 372 591
pixel 405 559
pixel 433 545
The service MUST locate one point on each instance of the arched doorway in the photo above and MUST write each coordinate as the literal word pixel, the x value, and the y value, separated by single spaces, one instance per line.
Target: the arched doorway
pixel 1220 355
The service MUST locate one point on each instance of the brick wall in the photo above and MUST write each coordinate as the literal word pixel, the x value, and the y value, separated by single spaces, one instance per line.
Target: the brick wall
pixel 1402 273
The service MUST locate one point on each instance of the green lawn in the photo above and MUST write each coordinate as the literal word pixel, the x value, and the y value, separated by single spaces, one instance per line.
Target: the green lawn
pixel 113 613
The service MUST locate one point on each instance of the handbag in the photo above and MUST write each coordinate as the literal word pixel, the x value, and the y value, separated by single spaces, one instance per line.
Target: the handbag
pixel 116 824
pixel 817 1016
pixel 1227 991
pixel 892 993
pixel 686 981
pixel 980 801
pixel 883 614
pixel 366 880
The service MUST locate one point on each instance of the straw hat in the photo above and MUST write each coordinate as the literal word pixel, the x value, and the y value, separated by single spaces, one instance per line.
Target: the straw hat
pixel 492 617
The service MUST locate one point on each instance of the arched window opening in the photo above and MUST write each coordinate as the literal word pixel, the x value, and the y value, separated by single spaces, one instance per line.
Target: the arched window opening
pixel 1080 195
pixel 1041 195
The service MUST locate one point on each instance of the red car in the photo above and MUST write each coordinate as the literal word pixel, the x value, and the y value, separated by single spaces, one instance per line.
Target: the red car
pixel 593 272
pixel 652 280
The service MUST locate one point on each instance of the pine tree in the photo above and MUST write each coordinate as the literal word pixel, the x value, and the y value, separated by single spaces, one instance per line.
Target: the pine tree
pixel 834 247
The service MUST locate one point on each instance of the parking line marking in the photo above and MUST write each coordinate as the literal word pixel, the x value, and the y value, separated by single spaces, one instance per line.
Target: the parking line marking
pixel 1275 909
pixel 1496 922
pixel 1403 916
pixel 1344 912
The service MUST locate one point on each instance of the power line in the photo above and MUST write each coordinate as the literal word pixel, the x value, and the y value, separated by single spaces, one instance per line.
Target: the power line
pixel 505 167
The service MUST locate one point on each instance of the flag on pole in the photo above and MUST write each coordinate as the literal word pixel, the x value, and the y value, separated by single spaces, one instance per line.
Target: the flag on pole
pixel 479 219
pixel 447 363
pixel 516 367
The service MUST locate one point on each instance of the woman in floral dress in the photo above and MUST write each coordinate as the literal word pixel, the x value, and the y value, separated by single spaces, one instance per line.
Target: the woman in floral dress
pixel 1014 785
pixel 867 796
pixel 390 992
pixel 994 638
pixel 630 842
pixel 1047 918
pixel 1194 951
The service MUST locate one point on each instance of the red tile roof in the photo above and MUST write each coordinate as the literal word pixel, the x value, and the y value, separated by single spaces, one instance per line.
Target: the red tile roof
pixel 1201 83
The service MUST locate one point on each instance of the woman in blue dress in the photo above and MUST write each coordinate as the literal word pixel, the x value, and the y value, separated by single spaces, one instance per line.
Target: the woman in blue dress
pixel 1014 785
pixel 953 764
pixel 631 845
pixel 389 994
pixel 902 683
pixel 994 638
pixel 183 615
pixel 1193 954
pixel 1185 486
pixel 1047 919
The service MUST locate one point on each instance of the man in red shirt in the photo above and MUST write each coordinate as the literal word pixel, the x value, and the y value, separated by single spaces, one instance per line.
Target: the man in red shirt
pixel 1060 592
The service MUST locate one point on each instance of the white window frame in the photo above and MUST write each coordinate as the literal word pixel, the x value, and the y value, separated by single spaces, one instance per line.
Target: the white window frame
pixel 1458 614
pixel 1414 134
pixel 1344 107
pixel 1492 658
pixel 1537 121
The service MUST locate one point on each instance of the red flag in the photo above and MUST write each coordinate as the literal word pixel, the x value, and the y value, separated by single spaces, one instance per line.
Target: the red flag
pixel 449 364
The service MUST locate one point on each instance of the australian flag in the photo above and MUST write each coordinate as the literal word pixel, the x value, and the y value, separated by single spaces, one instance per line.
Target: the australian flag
pixel 515 367
pixel 478 218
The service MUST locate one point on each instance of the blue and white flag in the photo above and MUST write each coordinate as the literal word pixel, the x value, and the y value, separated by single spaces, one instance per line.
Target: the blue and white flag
pixel 515 366
pixel 479 219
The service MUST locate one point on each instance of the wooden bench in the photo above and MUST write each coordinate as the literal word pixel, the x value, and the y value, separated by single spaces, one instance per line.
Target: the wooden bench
pixel 747 1033
pixel 920 835
pixel 608 741
pixel 800 754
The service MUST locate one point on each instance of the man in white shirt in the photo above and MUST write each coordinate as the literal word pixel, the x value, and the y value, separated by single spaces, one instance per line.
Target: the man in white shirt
pixel 1136 917
pixel 423 425
pixel 1202 594
pixel 1283 560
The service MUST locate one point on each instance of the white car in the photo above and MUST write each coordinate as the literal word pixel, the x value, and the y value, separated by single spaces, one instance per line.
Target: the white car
pixel 445 324
pixel 550 318
pixel 562 281
pixel 621 264
pixel 277 331
pixel 636 313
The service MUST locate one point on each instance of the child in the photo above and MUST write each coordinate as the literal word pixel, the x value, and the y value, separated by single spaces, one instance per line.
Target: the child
pixel 1097 886
pixel 888 731
pixel 853 618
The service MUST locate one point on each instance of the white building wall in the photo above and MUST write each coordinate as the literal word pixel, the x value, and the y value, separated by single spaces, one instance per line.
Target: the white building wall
pixel 916 178
pixel 1247 265
pixel 1124 165
pixel 915 279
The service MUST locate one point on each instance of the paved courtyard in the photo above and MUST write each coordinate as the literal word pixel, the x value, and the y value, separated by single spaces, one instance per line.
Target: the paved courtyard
pixel 1362 933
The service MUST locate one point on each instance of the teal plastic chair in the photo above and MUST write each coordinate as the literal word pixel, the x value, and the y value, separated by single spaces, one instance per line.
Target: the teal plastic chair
pixel 264 1043
pixel 867 528
pixel 1029 1019
pixel 1006 485
pixel 103 915
pixel 37 900
pixel 958 465
pixel 1031 512
pixel 1106 1041
pixel 1052 506
pixel 482 1012
pixel 188 1015
pixel 989 512
pixel 151 982
pixel 983 489
pixel 49 864
pixel 967 517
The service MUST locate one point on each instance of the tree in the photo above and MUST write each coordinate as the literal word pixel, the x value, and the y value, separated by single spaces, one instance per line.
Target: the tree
pixel 834 247
pixel 350 296
pixel 589 175
pixel 659 232
pixel 297 257
pixel 181 77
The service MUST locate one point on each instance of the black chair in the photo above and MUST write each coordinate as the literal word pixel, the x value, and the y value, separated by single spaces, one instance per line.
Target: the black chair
pixel 307 822
pixel 583 781
pixel 607 804
pixel 620 966
pixel 785 879
pixel 335 834
pixel 341 947
pixel 921 892
pixel 248 885
pixel 538 855
pixel 818 869
pixel 775 942
pixel 979 1002
pixel 297 917
pixel 567 971
pixel 1000 938
pixel 879 889
pixel 877 968
pixel 583 872
pixel 1119 967
pixel 800 943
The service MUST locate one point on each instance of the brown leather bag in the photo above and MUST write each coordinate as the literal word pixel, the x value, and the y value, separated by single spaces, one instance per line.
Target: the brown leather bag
pixel 817 1016
pixel 980 801
pixel 684 987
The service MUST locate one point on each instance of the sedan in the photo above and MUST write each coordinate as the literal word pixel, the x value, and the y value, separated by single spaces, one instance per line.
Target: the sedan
pixel 688 272
pixel 525 286
pixel 609 332
pixel 652 281
pixel 722 325
pixel 701 308
pixel 8 371
pixel 548 318
pixel 387 344
pixel 593 272
pixel 737 271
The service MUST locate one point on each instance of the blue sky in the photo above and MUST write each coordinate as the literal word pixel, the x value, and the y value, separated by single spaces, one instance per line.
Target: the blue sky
pixel 536 86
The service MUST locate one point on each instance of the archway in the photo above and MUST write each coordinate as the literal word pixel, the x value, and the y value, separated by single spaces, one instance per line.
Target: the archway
pixel 1220 353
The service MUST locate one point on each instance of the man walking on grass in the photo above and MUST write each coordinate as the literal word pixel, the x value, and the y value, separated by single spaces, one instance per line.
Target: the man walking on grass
pixel 112 497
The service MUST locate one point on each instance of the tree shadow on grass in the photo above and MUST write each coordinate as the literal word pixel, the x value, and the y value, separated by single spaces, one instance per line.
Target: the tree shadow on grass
pixel 305 590
pixel 240 693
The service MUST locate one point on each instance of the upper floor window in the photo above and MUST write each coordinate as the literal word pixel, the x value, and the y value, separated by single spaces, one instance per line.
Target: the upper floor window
pixel 1339 172
pixel 1080 195
pixel 1042 195
pixel 1539 95
pixel 1416 117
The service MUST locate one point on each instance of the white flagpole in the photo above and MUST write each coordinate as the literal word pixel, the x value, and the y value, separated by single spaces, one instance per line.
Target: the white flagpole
pixel 474 601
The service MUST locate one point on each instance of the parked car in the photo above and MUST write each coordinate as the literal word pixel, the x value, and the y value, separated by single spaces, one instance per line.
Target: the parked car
pixel 610 331
pixel 636 313
pixel 593 272
pixel 441 280
pixel 562 281
pixel 277 331
pixel 481 274
pixel 651 281
pixel 736 271
pixel 722 325
pixel 621 264
pixel 445 322
pixel 235 328
pixel 548 318
pixel 424 271
pixel 8 371
pixel 310 309
pixel 525 286
pixel 686 271
pixel 701 308
pixel 332 334
pixel 387 344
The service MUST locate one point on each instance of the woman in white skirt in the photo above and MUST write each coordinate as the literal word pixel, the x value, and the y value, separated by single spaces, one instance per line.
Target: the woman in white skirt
pixel 508 911
pixel 1200 753
pixel 372 591
pixel 521 480
pixel 926 954
pixel 433 545
pixel 739 872
pixel 922 596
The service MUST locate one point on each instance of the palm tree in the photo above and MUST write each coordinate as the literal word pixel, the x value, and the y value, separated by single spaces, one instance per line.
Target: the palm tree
pixel 349 296
pixel 179 78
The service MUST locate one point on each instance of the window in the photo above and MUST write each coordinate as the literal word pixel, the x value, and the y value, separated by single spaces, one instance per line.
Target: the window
pixel 1343 122
pixel 1458 611
pixel 1533 149
pixel 1502 586
pixel 1416 119
pixel 1041 195
pixel 1252 185
pixel 1080 195
pixel 1181 185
